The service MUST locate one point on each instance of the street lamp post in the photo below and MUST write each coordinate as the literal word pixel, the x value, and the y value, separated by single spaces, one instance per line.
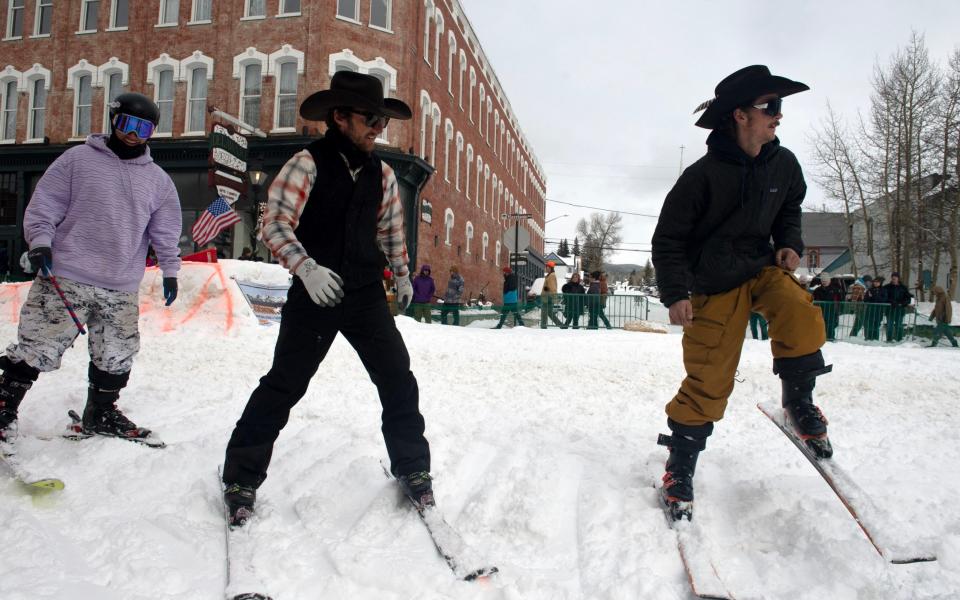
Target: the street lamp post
pixel 516 246
pixel 258 177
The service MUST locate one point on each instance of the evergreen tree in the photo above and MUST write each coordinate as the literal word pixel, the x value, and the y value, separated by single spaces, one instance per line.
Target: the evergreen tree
pixel 576 246
pixel 649 276
pixel 564 249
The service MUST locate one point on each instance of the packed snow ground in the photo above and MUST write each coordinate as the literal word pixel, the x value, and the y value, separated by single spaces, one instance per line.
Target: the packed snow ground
pixel 543 452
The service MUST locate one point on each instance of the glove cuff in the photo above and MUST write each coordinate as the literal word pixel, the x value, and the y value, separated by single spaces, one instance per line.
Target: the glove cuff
pixel 304 266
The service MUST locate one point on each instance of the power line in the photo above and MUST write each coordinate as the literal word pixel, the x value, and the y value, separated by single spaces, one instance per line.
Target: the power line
pixel 623 212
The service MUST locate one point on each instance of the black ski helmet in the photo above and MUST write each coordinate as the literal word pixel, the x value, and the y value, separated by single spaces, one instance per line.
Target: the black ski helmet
pixel 137 105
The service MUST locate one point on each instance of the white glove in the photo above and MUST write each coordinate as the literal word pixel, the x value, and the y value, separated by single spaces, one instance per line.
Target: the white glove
pixel 404 292
pixel 323 285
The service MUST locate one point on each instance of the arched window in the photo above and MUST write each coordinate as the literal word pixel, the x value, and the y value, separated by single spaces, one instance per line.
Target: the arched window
pixel 10 81
pixel 447 224
pixel 81 78
pixel 162 72
pixel 451 52
pixel 489 110
pixel 198 70
pixel 37 79
pixel 496 254
pixel 286 65
pixel 427 17
pixel 434 128
pixel 486 178
pixel 479 179
pixel 456 179
pixel 495 181
pixel 486 243
pixel 469 235
pixel 463 70
pixel 500 190
pixel 466 183
pixel 249 68
pixel 438 35
pixel 473 84
pixel 481 94
pixel 496 124
pixel 447 138
pixel 426 106
pixel 114 76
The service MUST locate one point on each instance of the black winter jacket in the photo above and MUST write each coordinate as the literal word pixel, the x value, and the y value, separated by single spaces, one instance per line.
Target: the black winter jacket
pixel 898 294
pixel 717 222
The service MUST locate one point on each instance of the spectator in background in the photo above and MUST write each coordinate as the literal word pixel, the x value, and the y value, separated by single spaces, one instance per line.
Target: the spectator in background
pixel 942 314
pixel 858 294
pixel 452 297
pixel 828 297
pixel 573 296
pixel 876 300
pixel 757 320
pixel 247 254
pixel 604 292
pixel 898 298
pixel 547 297
pixel 510 299
pixel 594 308
pixel 423 290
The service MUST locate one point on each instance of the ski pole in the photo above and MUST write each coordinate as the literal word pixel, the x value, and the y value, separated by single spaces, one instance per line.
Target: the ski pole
pixel 63 297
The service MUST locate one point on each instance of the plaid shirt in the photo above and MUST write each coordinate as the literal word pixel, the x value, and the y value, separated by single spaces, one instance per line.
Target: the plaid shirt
pixel 288 196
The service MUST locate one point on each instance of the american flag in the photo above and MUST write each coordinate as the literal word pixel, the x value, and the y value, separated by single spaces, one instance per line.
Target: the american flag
pixel 215 219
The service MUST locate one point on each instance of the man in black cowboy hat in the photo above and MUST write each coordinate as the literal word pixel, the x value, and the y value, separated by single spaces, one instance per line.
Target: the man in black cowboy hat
pixel 714 239
pixel 333 213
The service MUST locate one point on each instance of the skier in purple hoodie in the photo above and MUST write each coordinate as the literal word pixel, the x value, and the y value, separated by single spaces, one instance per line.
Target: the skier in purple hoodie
pixel 88 225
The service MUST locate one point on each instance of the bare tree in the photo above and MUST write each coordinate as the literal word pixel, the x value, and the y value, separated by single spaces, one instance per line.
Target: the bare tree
pixel 601 235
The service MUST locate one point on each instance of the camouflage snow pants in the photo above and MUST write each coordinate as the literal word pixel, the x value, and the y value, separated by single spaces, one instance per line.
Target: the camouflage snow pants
pixel 46 329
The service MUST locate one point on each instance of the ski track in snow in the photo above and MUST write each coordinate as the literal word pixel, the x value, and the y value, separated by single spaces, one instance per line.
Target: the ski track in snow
pixel 543 448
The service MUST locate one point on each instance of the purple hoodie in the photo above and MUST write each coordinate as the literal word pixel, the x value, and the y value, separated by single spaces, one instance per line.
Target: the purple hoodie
pixel 98 214
pixel 423 287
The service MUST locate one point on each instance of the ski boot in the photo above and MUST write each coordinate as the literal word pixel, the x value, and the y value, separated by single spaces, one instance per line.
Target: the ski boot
pixel 799 377
pixel 418 486
pixel 685 444
pixel 240 500
pixel 12 391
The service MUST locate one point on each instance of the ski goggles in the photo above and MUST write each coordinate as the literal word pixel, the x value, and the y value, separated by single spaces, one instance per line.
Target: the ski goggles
pixel 131 124
pixel 371 119
pixel 770 107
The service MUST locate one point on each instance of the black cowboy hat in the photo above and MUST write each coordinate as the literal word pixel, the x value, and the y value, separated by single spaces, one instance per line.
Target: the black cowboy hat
pixel 741 87
pixel 353 90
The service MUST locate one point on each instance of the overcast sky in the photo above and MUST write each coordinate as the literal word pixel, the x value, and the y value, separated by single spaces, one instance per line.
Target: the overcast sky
pixel 604 91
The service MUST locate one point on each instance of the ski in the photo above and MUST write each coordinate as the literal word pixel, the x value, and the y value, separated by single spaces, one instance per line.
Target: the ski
pixel 75 431
pixel 460 557
pixel 9 459
pixel 241 571
pixel 702 575
pixel 868 516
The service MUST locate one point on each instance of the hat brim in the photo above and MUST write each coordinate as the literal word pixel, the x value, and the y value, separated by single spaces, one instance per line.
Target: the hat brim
pixel 318 104
pixel 773 84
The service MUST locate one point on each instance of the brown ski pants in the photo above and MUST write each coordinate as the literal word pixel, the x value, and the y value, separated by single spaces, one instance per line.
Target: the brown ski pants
pixel 712 343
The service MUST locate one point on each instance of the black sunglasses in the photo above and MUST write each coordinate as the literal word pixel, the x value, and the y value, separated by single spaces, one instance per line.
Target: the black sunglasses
pixel 770 107
pixel 371 119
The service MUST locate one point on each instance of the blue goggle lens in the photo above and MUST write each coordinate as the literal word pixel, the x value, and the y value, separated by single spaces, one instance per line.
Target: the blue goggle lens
pixel 129 123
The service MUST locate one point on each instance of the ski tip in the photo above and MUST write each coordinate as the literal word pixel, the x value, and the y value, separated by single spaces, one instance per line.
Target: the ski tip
pixel 46 485
pixel 482 575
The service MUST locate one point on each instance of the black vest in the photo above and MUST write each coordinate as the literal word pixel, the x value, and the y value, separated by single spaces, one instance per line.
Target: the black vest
pixel 338 226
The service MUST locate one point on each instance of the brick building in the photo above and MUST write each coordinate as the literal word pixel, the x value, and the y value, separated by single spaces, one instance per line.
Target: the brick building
pixel 463 161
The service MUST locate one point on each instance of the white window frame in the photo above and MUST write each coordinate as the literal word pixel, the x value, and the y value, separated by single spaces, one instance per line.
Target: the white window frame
pixel 456 179
pixel 76 134
pixel 486 178
pixel 498 197
pixel 487 119
pixel 485 243
pixel 438 36
pixel 448 222
pixel 246 11
pixel 389 25
pixel 155 75
pixel 37 13
pixel 492 194
pixel 473 84
pixel 469 235
pixel 113 16
pixel 451 52
pixel 187 66
pixel 436 117
pixel 163 19
pixel 428 16
pixel 469 164
pixel 496 256
pixel 282 14
pixel 355 19
pixel 114 65
pixel 462 57
pixel 447 138
pixel 8 32
pixel 426 107
pixel 481 96
pixel 277 70
pixel 8 76
pixel 240 63
pixel 105 121
pixel 194 5
pixel 85 4
pixel 476 188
